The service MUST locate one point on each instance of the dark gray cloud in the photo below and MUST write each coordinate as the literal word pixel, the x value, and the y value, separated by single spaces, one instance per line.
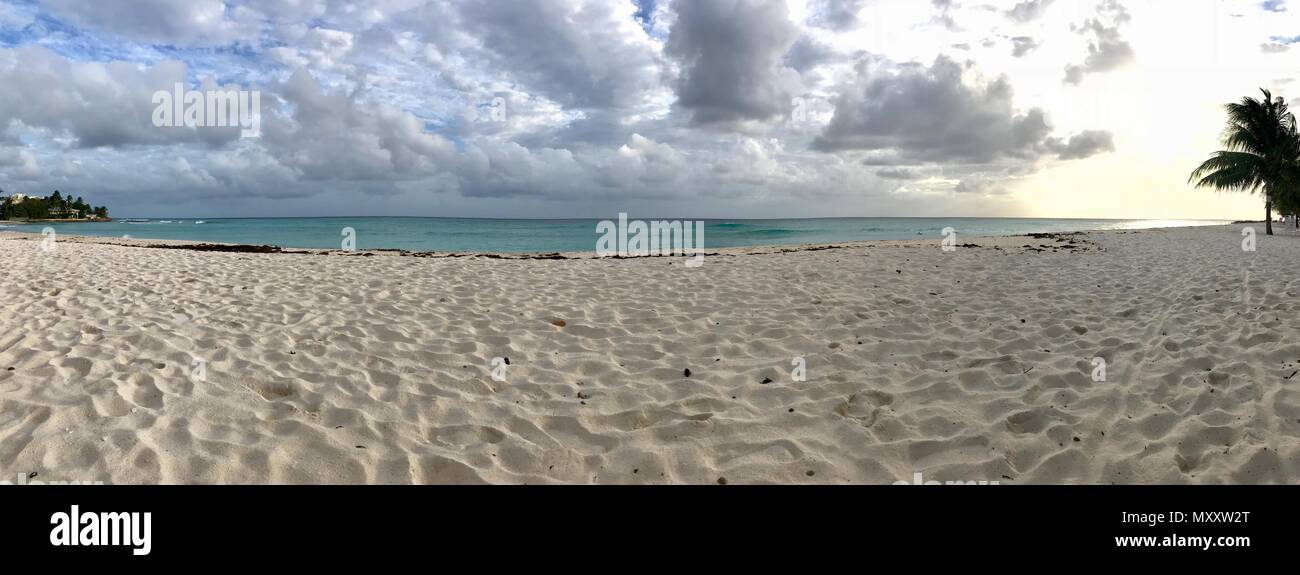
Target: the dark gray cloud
pixel 18 163
pixel 929 114
pixel 1022 45
pixel 897 174
pixel 1084 144
pixel 807 53
pixel 1107 49
pixel 1029 10
pixel 582 57
pixel 731 57
pixel 333 136
pixel 97 105
pixel 945 14
pixel 835 14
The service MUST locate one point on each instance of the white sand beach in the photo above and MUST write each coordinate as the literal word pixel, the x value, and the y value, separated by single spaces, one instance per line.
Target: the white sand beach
pixel 974 365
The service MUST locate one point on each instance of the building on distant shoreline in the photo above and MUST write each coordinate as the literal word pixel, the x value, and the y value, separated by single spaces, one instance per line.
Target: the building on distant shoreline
pixel 65 213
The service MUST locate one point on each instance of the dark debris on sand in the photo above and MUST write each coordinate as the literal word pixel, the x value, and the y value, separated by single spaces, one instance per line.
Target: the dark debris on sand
pixel 236 248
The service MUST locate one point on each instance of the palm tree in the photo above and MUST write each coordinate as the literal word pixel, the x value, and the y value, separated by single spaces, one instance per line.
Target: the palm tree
pixel 1262 154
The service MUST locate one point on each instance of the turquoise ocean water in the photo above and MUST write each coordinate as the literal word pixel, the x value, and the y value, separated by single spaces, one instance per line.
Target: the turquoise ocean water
pixel 576 235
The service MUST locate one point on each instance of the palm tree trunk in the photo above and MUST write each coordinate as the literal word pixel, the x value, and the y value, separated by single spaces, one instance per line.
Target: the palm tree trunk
pixel 1268 220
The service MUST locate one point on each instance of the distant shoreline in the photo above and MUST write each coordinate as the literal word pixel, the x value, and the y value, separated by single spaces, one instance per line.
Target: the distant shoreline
pixel 58 221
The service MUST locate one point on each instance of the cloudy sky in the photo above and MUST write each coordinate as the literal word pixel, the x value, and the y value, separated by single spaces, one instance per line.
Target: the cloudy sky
pixel 669 108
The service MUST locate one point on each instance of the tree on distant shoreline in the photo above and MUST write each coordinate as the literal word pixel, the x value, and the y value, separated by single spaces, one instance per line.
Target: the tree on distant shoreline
pixel 54 206
pixel 1262 154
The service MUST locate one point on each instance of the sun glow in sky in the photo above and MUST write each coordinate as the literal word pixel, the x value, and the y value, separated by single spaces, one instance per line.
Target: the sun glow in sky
pixel 585 108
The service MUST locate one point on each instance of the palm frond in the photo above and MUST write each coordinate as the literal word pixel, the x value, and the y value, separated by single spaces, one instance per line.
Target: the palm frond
pixel 1228 162
pixel 1241 139
pixel 1231 181
pixel 1261 151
